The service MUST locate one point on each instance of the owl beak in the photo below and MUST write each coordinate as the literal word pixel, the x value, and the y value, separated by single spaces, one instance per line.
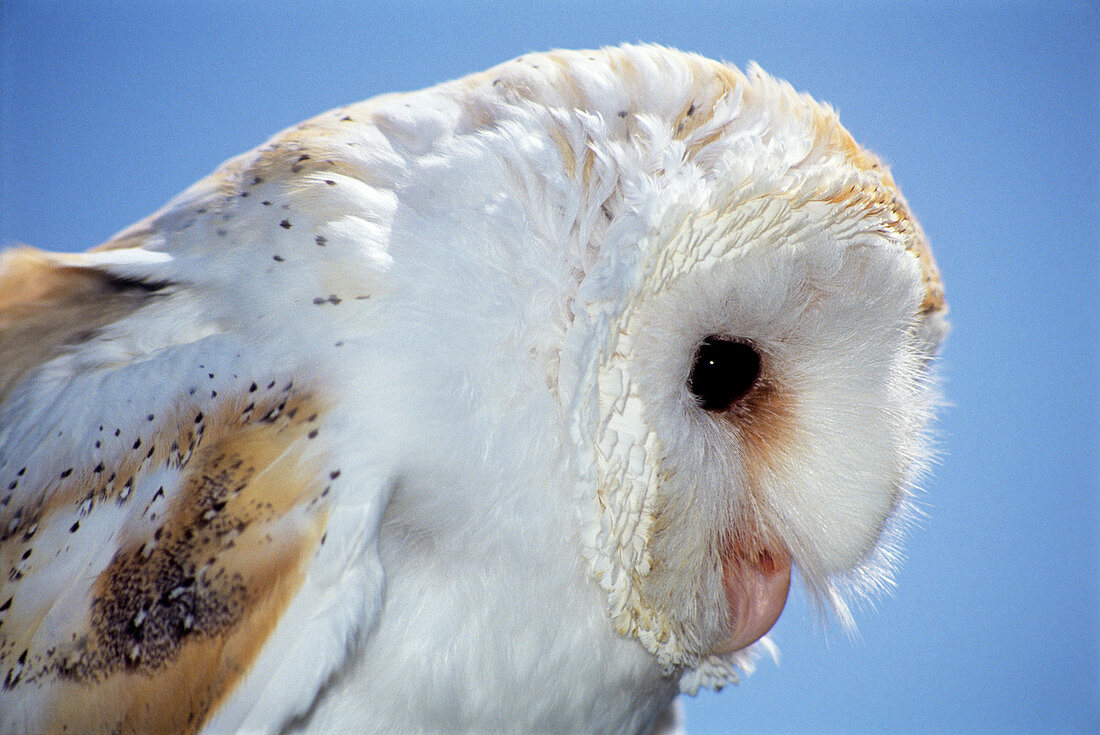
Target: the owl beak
pixel 757 583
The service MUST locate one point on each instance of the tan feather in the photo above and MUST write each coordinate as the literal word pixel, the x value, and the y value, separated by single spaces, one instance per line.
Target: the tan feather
pixel 45 307
pixel 187 610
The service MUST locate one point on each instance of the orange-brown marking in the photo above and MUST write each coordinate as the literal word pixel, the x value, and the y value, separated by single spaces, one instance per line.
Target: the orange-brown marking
pixel 176 620
pixel 169 440
pixel 764 421
pixel 45 307
pixel 228 542
pixel 885 203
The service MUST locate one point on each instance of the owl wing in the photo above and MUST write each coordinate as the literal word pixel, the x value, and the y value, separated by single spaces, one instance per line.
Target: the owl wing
pixel 181 544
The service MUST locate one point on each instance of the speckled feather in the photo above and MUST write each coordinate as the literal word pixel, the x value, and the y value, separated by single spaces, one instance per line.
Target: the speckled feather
pixel 384 424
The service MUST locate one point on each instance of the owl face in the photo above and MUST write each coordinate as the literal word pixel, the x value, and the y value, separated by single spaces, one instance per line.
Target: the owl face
pixel 762 385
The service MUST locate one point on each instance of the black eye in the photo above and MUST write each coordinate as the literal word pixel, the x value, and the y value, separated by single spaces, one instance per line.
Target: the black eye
pixel 723 372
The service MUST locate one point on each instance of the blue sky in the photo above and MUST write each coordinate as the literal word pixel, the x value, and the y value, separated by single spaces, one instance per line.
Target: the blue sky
pixel 989 114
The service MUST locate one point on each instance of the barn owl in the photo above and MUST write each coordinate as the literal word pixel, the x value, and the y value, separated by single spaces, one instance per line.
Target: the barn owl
pixel 508 405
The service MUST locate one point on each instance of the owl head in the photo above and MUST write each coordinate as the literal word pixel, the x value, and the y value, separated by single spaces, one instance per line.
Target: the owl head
pixel 738 333
pixel 745 361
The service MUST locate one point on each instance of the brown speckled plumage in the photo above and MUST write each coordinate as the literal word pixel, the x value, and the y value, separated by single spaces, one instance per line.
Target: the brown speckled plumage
pixel 201 588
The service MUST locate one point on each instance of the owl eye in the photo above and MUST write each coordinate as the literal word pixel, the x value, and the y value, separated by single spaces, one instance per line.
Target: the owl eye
pixel 724 371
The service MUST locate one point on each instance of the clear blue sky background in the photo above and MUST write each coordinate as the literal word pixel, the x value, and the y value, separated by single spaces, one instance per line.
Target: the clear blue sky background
pixel 989 115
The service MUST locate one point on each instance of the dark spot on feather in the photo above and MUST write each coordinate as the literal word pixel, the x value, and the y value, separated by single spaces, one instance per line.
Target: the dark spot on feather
pixel 98 468
pixel 334 474
pixel 277 258
pixel 23 471
pixel 137 443
pixel 6 605
pixel 330 182
pixel 320 240
pixel 73 528
pixel 86 335
pixel 27 553
pixel 266 203
pixel 312 434
pixel 66 473
pixel 285 224
pixel 15 672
